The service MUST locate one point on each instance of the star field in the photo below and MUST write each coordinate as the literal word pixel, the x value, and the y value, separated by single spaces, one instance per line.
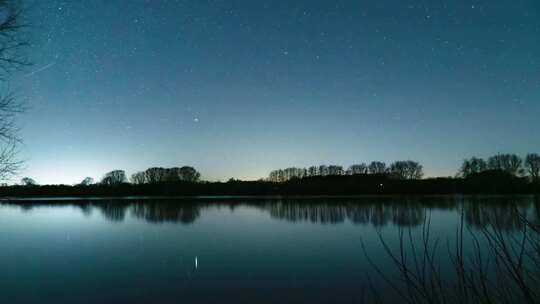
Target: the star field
pixel 237 88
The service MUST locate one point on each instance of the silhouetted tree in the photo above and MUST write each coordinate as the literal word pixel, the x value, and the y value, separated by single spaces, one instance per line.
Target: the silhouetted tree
pixel 335 170
pixel 377 167
pixel 303 172
pixel 189 174
pixel 472 166
pixel 161 175
pixel 27 181
pixel 138 178
pixel 358 169
pixel 290 173
pixel 532 164
pixel 154 175
pixel 12 40
pixel 294 172
pixel 87 181
pixel 323 170
pixel 115 177
pixel 277 176
pixel 172 175
pixel 478 165
pixel 510 163
pixel 515 164
pixel 282 175
pixel 406 170
pixel 273 176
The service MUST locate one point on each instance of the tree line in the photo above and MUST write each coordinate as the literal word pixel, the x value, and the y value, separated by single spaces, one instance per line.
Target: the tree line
pixel 509 163
pixel 399 169
pixel 154 175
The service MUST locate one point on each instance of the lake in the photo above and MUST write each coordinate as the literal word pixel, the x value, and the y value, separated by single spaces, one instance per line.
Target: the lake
pixel 319 250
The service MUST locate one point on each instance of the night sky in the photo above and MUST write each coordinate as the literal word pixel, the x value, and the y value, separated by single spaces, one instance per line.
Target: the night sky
pixel 237 88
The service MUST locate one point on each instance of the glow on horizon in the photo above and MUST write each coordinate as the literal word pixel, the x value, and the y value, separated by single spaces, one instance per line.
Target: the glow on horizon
pixel 71 174
pixel 237 91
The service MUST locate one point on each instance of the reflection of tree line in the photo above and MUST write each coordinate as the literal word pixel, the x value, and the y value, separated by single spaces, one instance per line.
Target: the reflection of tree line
pixel 479 212
pixel 377 215
pixel 409 212
pixel 158 213
pixel 151 211
pixel 506 213
pixel 401 212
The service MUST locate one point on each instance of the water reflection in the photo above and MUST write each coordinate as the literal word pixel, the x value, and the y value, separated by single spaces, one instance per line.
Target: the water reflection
pixel 376 213
pixel 504 212
pixel 478 212
pixel 156 212
pixel 114 211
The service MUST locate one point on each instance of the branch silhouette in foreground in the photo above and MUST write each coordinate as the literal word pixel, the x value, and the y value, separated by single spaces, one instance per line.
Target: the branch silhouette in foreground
pixel 500 268
pixel 12 44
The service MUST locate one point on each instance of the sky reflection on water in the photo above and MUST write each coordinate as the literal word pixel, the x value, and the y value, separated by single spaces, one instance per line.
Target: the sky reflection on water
pixel 196 250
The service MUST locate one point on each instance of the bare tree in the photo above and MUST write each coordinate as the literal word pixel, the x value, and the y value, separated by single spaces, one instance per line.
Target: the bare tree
pixel 138 178
pixel 399 169
pixel 27 181
pixel 478 164
pixel 358 169
pixel 472 166
pixel 12 42
pixel 87 181
pixel 157 175
pixel 273 176
pixel 335 170
pixel 173 174
pixel 313 171
pixel 407 169
pixel 323 170
pixel 154 175
pixel 514 165
pixel 290 173
pixel 189 174
pixel 377 167
pixel 510 163
pixel 499 267
pixel 115 177
pixel 277 176
pixel 532 164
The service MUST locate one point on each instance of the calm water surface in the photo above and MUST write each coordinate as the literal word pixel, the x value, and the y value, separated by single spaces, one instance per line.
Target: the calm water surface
pixel 212 250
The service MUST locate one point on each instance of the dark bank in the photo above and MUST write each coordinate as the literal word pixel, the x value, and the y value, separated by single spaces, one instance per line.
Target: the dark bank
pixel 489 182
